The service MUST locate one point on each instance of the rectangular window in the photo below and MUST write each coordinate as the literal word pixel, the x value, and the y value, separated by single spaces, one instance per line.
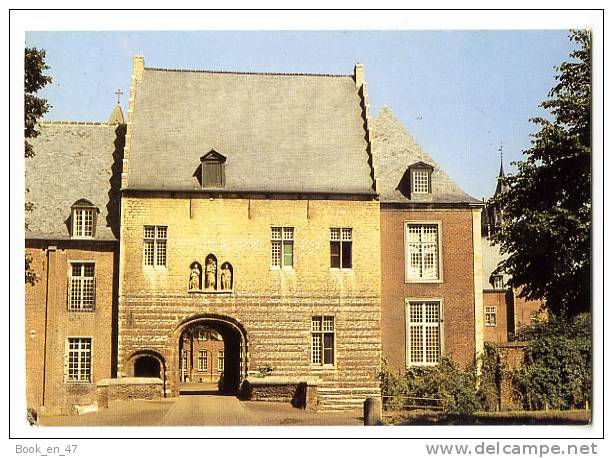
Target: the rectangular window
pixel 322 340
pixel 490 316
pixel 282 247
pixel 154 245
pixel 341 240
pixel 422 251
pixel 83 222
pixel 81 287
pixel 212 174
pixel 220 361
pixel 421 181
pixel 423 333
pixel 78 359
pixel 203 362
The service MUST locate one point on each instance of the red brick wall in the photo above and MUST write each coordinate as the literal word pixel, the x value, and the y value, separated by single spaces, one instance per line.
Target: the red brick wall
pixel 504 322
pixel 525 310
pixel 212 347
pixel 456 290
pixel 46 301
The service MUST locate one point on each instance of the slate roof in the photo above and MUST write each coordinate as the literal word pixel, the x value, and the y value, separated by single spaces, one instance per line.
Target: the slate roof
pixel 73 161
pixel 491 257
pixel 396 150
pixel 278 132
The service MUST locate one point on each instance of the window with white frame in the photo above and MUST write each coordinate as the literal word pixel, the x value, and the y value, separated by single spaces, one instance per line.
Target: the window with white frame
pixel 203 361
pixel 490 316
pixel 81 287
pixel 423 332
pixel 154 245
pixel 341 249
pixel 220 361
pixel 83 222
pixel 78 359
pixel 422 252
pixel 282 247
pixel 322 340
pixel 420 181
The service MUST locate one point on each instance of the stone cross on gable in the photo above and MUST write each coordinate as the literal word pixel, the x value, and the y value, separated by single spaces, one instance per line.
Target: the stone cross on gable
pixel 118 93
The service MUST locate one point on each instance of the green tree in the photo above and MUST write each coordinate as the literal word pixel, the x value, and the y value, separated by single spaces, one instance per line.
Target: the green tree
pixel 547 210
pixel 34 109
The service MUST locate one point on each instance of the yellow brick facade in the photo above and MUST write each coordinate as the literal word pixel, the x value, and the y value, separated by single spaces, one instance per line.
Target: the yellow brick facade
pixel 273 306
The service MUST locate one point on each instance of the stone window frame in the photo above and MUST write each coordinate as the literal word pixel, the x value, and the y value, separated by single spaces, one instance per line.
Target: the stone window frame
pixel 67 353
pixel 320 361
pixel 439 253
pixel 69 305
pixel 441 330
pixel 280 238
pixel 338 238
pixel 82 227
pixel 156 242
pixel 491 316
pixel 203 357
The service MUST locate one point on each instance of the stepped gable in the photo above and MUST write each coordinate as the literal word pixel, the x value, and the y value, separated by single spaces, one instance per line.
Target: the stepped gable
pixel 396 150
pixel 73 161
pixel 277 132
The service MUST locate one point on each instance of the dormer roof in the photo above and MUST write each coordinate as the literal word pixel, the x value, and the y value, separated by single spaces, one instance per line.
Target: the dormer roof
pixel 396 152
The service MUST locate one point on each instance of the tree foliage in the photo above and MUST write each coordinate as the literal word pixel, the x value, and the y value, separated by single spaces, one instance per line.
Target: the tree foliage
pixel 557 368
pixel 34 107
pixel 547 210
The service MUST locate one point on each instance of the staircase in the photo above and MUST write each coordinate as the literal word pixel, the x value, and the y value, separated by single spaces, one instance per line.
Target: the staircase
pixel 336 399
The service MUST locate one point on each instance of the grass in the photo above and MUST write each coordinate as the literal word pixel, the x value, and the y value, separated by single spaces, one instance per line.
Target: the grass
pixel 550 417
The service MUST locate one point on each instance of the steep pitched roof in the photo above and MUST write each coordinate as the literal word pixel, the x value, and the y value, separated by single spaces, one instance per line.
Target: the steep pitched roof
pixel 278 132
pixel 396 150
pixel 73 161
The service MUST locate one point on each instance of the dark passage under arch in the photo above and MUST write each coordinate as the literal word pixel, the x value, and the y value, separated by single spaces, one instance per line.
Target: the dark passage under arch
pixel 147 366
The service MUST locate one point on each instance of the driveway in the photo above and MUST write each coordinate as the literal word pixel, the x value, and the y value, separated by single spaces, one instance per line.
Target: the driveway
pixel 204 410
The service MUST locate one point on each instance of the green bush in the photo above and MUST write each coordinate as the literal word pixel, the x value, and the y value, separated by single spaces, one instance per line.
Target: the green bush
pixel 444 381
pixel 557 369
pixel 491 376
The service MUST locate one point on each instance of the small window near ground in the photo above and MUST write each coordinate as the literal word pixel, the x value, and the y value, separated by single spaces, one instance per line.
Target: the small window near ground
pixel 322 340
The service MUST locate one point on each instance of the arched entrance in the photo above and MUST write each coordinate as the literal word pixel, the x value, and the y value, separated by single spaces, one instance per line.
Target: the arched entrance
pixel 210 349
pixel 147 366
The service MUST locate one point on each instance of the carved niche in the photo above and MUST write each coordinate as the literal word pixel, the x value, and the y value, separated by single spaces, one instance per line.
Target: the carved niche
pixel 214 277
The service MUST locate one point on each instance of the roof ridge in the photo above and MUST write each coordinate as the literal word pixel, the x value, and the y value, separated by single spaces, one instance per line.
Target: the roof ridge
pixel 73 123
pixel 180 70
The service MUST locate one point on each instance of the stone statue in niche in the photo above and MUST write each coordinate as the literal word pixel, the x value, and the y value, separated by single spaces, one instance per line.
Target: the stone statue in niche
pixel 194 277
pixel 211 273
pixel 226 276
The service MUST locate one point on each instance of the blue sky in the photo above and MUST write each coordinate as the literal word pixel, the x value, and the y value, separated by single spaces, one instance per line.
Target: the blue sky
pixel 459 93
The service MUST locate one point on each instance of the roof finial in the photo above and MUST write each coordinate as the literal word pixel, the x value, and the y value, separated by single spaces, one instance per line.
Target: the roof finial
pixel 501 173
pixel 118 93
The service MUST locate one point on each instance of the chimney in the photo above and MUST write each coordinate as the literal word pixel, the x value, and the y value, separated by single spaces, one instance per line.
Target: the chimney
pixel 358 75
pixel 138 67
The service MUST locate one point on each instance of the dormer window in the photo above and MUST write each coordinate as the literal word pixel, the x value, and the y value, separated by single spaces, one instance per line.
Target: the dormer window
pixel 421 178
pixel 213 170
pixel 83 218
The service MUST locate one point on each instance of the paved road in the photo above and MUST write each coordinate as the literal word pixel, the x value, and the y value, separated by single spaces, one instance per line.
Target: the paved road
pixel 208 410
